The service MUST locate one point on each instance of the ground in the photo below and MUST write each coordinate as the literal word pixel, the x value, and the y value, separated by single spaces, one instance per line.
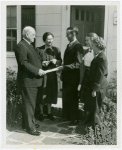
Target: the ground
pixel 52 133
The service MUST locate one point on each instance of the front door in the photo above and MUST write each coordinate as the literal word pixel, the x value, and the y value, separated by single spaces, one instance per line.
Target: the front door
pixel 88 19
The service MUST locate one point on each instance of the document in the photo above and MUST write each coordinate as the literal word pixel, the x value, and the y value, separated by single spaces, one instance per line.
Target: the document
pixel 51 70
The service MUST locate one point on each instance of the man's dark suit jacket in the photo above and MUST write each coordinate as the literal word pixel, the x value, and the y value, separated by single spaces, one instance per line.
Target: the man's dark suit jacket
pixel 72 61
pixel 29 63
pixel 71 78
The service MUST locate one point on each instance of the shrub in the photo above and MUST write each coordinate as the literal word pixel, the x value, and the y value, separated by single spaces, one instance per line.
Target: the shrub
pixel 112 90
pixel 13 98
pixel 106 132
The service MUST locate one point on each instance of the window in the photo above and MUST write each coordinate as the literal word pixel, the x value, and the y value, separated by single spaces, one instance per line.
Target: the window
pixel 11 27
pixel 77 14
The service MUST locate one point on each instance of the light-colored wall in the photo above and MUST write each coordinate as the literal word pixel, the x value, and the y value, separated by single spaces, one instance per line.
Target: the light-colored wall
pixel 11 62
pixel 111 40
pixel 49 19
pixel 56 19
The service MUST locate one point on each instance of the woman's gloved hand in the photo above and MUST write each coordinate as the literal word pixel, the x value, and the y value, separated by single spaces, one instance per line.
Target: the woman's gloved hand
pixel 45 63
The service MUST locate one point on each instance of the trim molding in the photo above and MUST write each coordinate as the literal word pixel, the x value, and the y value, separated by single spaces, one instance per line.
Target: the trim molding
pixel 65 25
pixel 106 25
pixel 10 55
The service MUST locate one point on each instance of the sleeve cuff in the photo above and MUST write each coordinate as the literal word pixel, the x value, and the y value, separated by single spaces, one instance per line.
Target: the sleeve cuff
pixel 96 87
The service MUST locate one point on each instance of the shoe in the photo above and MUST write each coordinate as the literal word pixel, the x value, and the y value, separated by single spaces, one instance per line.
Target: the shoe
pixel 74 123
pixel 62 119
pixel 34 132
pixel 50 116
pixel 37 125
pixel 88 119
pixel 23 128
pixel 41 117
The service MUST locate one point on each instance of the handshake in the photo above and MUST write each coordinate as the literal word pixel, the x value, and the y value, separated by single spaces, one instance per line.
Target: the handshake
pixel 42 72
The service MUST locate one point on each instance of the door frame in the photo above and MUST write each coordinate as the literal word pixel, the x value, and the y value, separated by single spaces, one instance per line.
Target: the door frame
pixel 65 24
pixel 66 17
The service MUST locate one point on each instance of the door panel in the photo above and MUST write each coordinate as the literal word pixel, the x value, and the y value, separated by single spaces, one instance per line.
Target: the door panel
pixel 88 19
pixel 81 30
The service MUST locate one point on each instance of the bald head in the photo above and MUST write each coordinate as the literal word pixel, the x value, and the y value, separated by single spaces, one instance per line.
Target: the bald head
pixel 29 33
pixel 27 30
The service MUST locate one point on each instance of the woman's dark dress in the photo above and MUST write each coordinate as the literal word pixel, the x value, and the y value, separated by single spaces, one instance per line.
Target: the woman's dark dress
pixel 50 85
pixel 85 74
pixel 97 82
pixel 84 85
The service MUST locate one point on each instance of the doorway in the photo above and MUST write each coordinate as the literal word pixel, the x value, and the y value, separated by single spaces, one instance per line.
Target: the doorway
pixel 88 19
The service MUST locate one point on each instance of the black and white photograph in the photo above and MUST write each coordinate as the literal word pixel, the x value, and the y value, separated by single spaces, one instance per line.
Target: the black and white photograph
pixel 60 65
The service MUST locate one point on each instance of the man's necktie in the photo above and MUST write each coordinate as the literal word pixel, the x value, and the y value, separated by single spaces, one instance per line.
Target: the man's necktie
pixel 70 45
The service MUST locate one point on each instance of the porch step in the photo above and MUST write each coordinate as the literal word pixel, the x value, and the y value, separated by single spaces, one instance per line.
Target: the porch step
pixel 57 109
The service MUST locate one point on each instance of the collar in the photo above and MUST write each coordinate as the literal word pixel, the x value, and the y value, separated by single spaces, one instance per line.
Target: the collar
pixel 27 41
pixel 72 42
pixel 90 50
pixel 98 54
pixel 48 47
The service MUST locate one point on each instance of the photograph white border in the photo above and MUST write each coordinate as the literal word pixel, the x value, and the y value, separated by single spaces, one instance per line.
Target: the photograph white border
pixel 3 73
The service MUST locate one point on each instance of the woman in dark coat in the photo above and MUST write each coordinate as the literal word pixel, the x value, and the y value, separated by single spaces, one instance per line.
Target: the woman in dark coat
pixel 84 76
pixel 97 81
pixel 51 58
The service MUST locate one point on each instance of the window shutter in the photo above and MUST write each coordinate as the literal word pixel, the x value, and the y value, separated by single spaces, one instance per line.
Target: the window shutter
pixel 28 16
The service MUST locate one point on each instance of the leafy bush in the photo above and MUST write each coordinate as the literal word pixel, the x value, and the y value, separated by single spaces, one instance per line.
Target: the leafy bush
pixel 106 132
pixel 13 98
pixel 112 90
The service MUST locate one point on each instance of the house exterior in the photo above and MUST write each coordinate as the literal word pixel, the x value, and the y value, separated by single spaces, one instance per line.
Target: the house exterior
pixel 56 18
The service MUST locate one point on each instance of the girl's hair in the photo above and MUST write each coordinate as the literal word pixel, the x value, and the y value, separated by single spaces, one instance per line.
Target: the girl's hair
pixel 73 30
pixel 46 34
pixel 99 41
pixel 92 35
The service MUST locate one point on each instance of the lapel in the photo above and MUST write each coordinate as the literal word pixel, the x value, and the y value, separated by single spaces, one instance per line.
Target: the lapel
pixel 100 55
pixel 55 51
pixel 31 48
pixel 71 47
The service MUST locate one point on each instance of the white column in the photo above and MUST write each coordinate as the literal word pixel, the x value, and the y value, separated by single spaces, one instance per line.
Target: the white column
pixel 106 25
pixel 65 25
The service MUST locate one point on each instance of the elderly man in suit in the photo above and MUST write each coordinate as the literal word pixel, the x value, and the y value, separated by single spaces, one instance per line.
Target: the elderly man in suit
pixel 29 78
pixel 71 76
